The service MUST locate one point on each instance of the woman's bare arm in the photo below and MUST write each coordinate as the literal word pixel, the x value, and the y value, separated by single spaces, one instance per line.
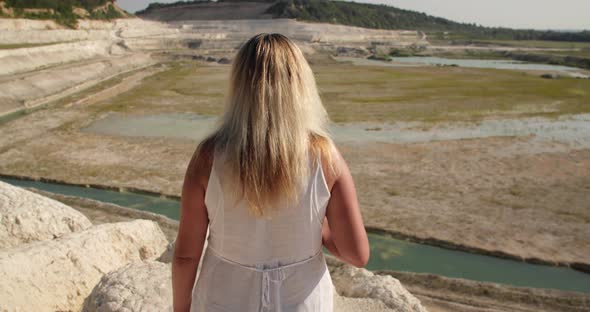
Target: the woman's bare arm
pixel 191 232
pixel 345 228
pixel 327 240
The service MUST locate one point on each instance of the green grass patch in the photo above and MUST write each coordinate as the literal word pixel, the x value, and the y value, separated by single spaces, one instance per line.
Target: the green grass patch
pixel 12 116
pixel 68 99
pixel 63 11
pixel 585 53
pixel 364 93
pixel 579 216
pixel 472 54
pixel 374 93
pixel 27 45
pixel 184 86
pixel 392 192
pixel 542 44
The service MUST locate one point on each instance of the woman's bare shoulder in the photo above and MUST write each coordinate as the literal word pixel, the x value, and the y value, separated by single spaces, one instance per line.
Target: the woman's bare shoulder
pixel 200 165
pixel 333 165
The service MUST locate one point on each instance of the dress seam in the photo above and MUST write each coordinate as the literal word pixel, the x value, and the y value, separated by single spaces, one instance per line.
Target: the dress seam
pixel 253 268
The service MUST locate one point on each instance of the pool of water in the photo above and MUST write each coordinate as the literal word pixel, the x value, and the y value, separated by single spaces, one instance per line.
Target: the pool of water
pixel 485 63
pixel 568 129
pixel 386 253
pixel 175 125
pixel 470 63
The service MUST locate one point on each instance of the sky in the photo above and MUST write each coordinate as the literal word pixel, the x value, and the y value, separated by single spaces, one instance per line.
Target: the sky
pixel 537 14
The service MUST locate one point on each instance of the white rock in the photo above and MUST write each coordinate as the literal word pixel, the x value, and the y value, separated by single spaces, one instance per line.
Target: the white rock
pixel 347 304
pixel 360 283
pixel 137 286
pixel 27 59
pixel 167 255
pixel 56 275
pixel 28 217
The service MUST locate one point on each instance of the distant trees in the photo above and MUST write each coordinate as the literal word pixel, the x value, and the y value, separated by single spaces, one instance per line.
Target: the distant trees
pixel 109 13
pixel 564 36
pixel 387 17
pixel 53 4
pixel 62 11
pixel 157 5
pixel 358 14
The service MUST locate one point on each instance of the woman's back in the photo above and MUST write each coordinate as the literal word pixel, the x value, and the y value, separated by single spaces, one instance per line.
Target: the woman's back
pixel 264 264
pixel 291 233
pixel 265 202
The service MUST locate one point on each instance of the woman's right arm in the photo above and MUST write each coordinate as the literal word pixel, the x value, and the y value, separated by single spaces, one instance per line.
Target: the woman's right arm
pixel 192 231
pixel 345 228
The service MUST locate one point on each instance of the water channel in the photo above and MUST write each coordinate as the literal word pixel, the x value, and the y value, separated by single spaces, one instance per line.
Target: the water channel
pixel 386 253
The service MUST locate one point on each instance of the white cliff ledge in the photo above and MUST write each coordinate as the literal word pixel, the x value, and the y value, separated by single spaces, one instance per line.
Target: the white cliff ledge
pixel 58 274
pixel 26 217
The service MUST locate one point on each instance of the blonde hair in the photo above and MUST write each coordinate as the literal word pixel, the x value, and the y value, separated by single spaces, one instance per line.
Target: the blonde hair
pixel 274 121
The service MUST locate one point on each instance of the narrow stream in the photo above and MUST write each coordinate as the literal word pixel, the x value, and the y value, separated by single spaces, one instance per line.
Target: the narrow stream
pixel 386 253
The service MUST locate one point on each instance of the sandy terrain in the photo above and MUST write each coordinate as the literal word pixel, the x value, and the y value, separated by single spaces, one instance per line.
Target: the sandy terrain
pixel 440 294
pixel 493 194
pixel 509 196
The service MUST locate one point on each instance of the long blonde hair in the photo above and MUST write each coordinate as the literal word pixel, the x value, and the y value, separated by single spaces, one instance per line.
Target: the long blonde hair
pixel 274 121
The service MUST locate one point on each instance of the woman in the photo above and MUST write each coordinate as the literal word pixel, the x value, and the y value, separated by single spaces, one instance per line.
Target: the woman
pixel 271 188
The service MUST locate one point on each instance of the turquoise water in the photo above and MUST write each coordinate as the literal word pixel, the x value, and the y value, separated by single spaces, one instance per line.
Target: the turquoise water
pixel 569 129
pixel 392 254
pixel 469 63
pixel 164 206
pixel 482 63
pixel 386 253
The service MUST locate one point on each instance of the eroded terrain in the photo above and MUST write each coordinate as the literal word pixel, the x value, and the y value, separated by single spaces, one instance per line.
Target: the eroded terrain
pixel 525 196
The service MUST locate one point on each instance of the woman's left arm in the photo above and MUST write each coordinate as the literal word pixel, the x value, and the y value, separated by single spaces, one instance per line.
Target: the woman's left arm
pixel 327 240
pixel 192 232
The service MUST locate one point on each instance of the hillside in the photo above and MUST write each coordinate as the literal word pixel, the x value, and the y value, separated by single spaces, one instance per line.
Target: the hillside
pixel 388 17
pixel 65 12
pixel 347 13
pixel 360 14
pixel 206 10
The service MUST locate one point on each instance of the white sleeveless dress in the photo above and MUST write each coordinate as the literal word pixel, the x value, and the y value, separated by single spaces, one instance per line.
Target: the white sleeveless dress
pixel 261 264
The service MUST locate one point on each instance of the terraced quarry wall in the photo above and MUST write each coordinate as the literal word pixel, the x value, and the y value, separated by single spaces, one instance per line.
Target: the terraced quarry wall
pixel 43 61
